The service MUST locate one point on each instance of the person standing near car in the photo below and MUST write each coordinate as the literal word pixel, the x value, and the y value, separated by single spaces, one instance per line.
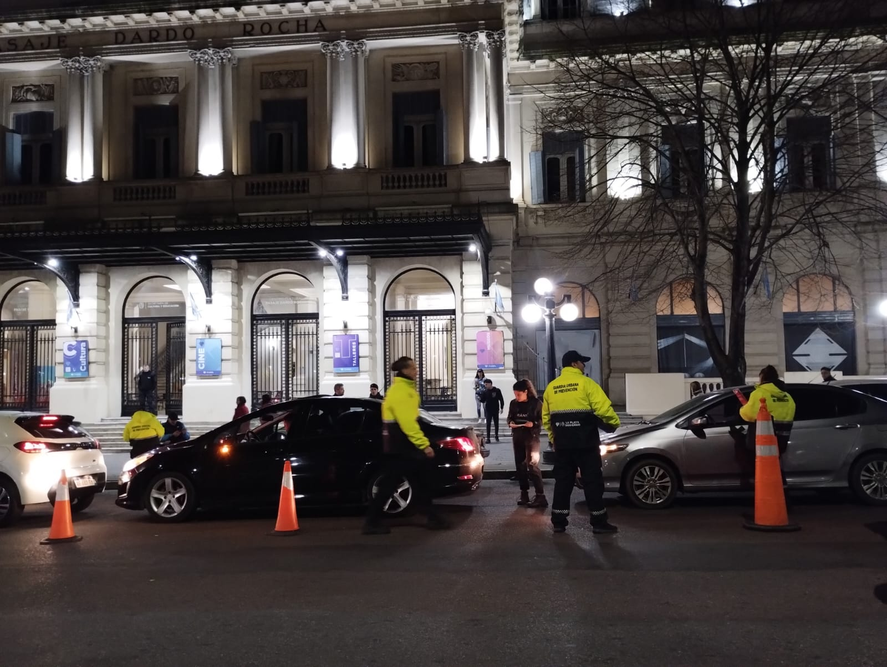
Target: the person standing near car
pixel 479 378
pixel 525 420
pixel 573 408
pixel 780 405
pixel 826 373
pixel 146 382
pixel 143 433
pixel 494 404
pixel 375 393
pixel 408 451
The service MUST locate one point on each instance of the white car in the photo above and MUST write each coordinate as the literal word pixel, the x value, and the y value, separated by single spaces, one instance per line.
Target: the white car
pixel 34 449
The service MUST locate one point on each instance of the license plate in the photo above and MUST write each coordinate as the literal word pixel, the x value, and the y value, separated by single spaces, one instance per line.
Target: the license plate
pixel 82 482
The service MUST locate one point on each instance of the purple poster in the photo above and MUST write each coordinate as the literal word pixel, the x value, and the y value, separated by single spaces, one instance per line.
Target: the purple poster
pixel 490 349
pixel 346 353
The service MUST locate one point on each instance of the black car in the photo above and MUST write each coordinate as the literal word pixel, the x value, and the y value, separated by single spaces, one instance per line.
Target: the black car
pixel 333 444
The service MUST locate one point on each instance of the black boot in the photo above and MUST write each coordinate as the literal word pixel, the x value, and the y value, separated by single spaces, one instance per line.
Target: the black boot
pixel 559 527
pixel 524 498
pixel 539 501
pixel 603 528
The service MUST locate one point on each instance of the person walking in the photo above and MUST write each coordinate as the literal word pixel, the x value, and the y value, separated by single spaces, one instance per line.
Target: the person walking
pixel 375 393
pixel 408 452
pixel 478 394
pixel 241 411
pixel 525 420
pixel 146 382
pixel 143 433
pixel 494 404
pixel 573 408
pixel 780 405
pixel 173 430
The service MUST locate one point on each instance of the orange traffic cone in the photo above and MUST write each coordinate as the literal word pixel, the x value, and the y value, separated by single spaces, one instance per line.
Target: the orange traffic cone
pixel 287 522
pixel 770 511
pixel 62 529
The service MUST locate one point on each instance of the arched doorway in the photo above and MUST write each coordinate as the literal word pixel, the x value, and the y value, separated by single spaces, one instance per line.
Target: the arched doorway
pixel 285 340
pixel 27 347
pixel 583 333
pixel 817 314
pixel 420 322
pixel 154 335
pixel 679 340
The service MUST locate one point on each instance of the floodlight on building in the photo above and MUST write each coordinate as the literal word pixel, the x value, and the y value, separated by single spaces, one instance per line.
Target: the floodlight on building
pixel 53 262
pixel 472 247
pixel 531 313
pixel 193 258
pixel 321 252
pixel 543 286
pixel 339 252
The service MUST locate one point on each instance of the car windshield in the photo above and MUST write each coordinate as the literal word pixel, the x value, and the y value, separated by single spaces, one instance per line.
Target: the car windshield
pixel 683 408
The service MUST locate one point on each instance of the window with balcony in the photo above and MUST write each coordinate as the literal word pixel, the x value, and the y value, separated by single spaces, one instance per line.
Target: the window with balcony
pixel 156 142
pixel 279 141
pixel 806 160
pixel 419 129
pixel 557 172
pixel 33 149
pixel 681 161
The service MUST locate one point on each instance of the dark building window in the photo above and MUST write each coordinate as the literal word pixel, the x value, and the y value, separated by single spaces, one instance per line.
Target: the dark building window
pixel 557 172
pixel 806 163
pixel 156 141
pixel 419 129
pixel 553 10
pixel 681 161
pixel 33 149
pixel 279 141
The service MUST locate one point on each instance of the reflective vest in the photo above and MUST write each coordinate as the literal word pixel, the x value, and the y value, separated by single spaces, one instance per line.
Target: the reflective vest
pixel 143 426
pixel 573 408
pixel 400 418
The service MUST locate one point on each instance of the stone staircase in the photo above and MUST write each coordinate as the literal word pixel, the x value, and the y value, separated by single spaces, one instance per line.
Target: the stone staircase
pixel 109 431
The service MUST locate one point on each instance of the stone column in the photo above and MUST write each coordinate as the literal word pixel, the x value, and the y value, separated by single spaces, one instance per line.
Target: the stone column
pixel 214 109
pixel 354 316
pixel 496 64
pixel 346 86
pixel 86 398
pixel 212 399
pixel 473 72
pixel 83 144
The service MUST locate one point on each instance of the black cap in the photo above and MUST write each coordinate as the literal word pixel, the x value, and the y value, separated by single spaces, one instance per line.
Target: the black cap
pixel 572 357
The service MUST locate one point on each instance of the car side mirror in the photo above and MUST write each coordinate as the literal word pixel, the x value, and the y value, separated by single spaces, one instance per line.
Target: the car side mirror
pixel 698 431
pixel 701 421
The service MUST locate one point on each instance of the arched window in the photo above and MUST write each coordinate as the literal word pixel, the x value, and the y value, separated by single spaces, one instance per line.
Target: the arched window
pixel 420 322
pixel 285 339
pixel 27 346
pixel 154 336
pixel 581 296
pixel 679 339
pixel 819 325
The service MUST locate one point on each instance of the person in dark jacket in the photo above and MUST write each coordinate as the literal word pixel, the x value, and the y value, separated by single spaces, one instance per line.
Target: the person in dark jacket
pixel 408 452
pixel 173 430
pixel 525 420
pixel 146 382
pixel 375 393
pixel 494 404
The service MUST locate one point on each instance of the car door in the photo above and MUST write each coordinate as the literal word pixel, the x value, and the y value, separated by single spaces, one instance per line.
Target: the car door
pixel 714 451
pixel 827 426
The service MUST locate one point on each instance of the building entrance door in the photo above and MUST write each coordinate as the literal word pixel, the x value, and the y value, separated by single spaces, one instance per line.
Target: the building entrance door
pixel 285 359
pixel 430 339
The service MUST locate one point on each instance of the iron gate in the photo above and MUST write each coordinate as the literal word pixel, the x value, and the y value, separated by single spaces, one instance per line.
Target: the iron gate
pixel 160 344
pixel 429 337
pixel 285 357
pixel 27 365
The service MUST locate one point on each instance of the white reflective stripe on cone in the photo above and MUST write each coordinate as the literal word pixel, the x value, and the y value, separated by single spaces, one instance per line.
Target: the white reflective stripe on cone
pixel 61 493
pixel 288 480
pixel 767 450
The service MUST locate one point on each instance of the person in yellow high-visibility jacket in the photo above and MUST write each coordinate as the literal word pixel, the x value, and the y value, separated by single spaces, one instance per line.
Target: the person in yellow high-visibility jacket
pixel 780 405
pixel 574 407
pixel 143 433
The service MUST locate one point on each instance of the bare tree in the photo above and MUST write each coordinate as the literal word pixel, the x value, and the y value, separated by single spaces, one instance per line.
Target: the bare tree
pixel 715 139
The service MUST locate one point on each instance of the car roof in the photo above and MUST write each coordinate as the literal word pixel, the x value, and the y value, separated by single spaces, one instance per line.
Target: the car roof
pixel 858 381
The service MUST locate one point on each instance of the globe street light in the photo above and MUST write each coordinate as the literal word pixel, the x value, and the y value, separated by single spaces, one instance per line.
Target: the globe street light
pixel 545 305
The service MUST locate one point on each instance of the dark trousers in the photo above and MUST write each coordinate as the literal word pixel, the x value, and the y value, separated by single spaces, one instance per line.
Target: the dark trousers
pixel 139 447
pixel 147 401
pixel 419 472
pixel 492 418
pixel 588 462
pixel 527 471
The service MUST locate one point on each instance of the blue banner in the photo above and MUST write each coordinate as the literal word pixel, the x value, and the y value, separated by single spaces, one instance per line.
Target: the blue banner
pixel 75 356
pixel 209 357
pixel 346 353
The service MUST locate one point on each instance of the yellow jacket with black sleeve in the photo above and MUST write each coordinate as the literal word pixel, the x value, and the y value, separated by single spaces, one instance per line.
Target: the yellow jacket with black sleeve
pixel 143 426
pixel 781 407
pixel 573 408
pixel 400 419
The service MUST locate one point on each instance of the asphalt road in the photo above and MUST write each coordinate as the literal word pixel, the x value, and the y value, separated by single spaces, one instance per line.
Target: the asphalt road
pixel 684 586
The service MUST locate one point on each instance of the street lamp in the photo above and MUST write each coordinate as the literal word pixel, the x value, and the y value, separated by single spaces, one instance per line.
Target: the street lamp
pixel 544 304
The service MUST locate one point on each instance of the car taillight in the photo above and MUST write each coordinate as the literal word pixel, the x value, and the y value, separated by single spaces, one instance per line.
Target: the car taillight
pixel 31 447
pixel 461 444
pixel 98 445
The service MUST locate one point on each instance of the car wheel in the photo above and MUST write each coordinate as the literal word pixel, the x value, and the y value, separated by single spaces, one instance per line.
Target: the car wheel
pixel 10 503
pixel 170 498
pixel 400 502
pixel 651 484
pixel 868 479
pixel 82 502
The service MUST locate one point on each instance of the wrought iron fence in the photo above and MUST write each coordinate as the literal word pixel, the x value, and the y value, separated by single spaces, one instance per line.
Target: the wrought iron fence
pixel 285 357
pixel 27 365
pixel 162 345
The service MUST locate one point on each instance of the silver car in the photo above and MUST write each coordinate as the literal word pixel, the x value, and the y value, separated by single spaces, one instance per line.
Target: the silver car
pixel 839 439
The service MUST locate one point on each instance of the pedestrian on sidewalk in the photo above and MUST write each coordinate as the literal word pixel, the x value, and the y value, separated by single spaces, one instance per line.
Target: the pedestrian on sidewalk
pixel 143 433
pixel 241 411
pixel 525 420
pixel 173 430
pixel 146 382
pixel 573 408
pixel 494 404
pixel 339 389
pixel 375 393
pixel 266 402
pixel 478 394
pixel 408 452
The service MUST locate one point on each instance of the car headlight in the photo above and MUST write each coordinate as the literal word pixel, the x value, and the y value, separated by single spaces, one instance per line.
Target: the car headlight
pixel 609 449
pixel 132 464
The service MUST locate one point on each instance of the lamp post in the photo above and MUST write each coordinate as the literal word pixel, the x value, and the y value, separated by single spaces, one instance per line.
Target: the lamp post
pixel 544 304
